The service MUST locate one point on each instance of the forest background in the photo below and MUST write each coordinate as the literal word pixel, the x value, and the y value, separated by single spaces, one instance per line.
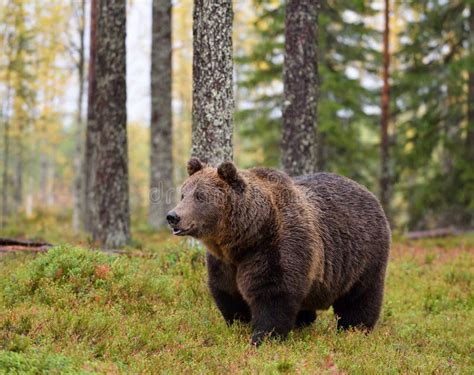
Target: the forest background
pixel 385 96
pixel 430 131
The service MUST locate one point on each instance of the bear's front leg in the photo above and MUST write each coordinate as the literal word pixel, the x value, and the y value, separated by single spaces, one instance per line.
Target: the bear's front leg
pixel 231 306
pixel 273 315
pixel 223 287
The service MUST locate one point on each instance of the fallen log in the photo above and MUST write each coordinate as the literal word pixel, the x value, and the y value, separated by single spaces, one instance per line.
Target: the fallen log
pixel 8 245
pixel 14 248
pixel 24 243
pixel 433 233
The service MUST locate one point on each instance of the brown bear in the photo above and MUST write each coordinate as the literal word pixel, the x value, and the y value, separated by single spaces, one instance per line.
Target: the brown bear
pixel 281 248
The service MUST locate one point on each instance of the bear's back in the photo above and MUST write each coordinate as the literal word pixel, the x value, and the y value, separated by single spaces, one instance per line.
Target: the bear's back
pixel 346 206
pixel 342 196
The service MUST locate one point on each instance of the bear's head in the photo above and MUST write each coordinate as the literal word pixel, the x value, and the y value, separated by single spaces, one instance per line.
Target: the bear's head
pixel 207 198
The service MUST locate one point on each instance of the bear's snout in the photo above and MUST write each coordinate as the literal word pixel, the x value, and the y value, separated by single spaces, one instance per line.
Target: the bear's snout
pixel 172 218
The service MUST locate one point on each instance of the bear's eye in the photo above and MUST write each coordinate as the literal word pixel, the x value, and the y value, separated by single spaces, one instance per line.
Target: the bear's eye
pixel 182 196
pixel 200 197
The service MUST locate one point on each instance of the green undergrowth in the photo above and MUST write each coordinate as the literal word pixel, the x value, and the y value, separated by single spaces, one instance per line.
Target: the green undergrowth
pixel 74 310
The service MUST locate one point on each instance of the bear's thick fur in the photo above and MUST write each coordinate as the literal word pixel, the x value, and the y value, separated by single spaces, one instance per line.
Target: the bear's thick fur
pixel 280 248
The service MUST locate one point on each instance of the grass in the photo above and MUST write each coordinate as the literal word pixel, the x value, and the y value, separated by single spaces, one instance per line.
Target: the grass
pixel 75 310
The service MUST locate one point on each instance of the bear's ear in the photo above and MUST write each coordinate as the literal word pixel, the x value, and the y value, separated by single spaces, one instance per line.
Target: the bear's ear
pixel 194 165
pixel 228 172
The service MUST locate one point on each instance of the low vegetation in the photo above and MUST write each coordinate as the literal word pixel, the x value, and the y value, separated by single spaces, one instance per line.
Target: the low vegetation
pixel 78 310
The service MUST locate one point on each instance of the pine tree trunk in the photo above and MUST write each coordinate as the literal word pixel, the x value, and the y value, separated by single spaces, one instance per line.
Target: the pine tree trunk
pixel 6 157
pixel 46 180
pixel 470 101
pixel 51 178
pixel 385 103
pixel 6 152
pixel 78 210
pixel 111 195
pixel 213 102
pixel 29 196
pixel 91 130
pixel 161 157
pixel 43 178
pixel 301 87
pixel 18 195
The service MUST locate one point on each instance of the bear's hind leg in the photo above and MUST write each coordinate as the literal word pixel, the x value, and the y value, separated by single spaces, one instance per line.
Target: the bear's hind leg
pixel 305 318
pixel 359 308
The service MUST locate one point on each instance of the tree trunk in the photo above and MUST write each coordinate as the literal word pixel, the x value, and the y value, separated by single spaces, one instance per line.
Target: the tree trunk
pixel 161 156
pixel 43 178
pixel 301 87
pixel 91 130
pixel 470 99
pixel 6 152
pixel 385 188
pixel 213 102
pixel 6 156
pixel 18 195
pixel 46 180
pixel 111 195
pixel 78 209
pixel 29 196
pixel 50 182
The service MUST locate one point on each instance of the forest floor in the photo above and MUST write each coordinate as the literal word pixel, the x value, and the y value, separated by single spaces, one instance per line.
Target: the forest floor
pixel 79 311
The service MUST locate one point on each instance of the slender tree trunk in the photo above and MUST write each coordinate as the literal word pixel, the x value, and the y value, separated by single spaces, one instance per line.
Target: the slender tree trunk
pixel 470 99
pixel 18 66
pixel 301 87
pixel 43 178
pixel 321 141
pixel 6 153
pixel 213 102
pixel 18 195
pixel 161 156
pixel 111 194
pixel 51 177
pixel 91 130
pixel 6 156
pixel 385 189
pixel 29 196
pixel 469 147
pixel 78 209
